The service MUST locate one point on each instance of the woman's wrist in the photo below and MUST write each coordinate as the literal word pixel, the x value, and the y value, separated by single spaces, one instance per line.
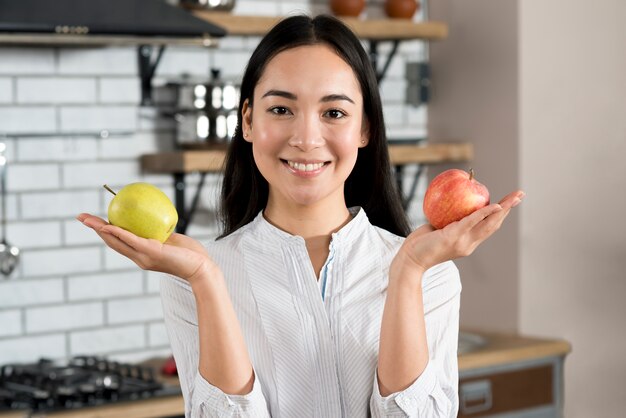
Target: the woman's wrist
pixel 404 269
pixel 205 275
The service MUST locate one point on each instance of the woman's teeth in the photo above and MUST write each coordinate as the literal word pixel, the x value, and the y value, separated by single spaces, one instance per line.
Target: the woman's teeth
pixel 305 167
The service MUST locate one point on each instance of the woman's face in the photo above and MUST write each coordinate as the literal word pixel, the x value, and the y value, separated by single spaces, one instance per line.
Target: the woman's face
pixel 306 126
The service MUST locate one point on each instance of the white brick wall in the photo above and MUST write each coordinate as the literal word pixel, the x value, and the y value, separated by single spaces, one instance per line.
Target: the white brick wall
pixel 11 323
pixel 25 349
pixel 28 292
pixel 121 90
pixel 98 118
pixel 65 317
pixel 55 90
pixel 70 294
pixel 33 177
pixel 56 149
pixel 6 90
pixel 97 61
pixel 134 310
pixel 107 340
pixel 18 61
pixel 28 119
pixel 105 286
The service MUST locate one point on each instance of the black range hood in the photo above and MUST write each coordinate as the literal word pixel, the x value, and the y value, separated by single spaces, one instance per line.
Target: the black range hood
pixel 103 17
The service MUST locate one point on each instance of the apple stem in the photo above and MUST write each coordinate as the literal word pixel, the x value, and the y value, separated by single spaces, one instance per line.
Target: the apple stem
pixel 109 189
pixel 471 174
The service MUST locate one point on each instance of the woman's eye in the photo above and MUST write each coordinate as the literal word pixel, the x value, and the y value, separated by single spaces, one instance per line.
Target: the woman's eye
pixel 279 110
pixel 335 114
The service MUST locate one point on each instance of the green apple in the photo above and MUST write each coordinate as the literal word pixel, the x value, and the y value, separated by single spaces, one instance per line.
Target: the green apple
pixel 144 210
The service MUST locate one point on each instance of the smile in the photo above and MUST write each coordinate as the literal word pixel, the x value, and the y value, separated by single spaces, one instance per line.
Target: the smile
pixel 305 167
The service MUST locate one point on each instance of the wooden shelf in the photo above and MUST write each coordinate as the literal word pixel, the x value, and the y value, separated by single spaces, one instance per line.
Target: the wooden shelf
pixel 372 29
pixel 213 160
pixel 44 39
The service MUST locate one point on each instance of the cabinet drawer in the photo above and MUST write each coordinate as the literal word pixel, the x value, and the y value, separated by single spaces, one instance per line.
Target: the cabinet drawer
pixel 523 390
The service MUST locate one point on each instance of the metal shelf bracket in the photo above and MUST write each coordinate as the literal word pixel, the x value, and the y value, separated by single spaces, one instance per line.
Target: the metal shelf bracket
pixel 149 57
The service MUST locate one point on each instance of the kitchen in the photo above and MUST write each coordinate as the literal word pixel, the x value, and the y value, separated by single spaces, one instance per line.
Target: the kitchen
pixel 71 121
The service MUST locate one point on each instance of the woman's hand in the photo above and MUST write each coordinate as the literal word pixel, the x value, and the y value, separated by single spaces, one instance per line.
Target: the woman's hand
pixel 425 247
pixel 180 255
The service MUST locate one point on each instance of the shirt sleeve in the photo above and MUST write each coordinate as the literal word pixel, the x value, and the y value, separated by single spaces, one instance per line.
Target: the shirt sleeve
pixel 209 401
pixel 202 399
pixel 434 393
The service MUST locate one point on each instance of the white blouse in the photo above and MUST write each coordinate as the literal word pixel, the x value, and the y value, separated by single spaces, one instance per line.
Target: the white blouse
pixel 314 343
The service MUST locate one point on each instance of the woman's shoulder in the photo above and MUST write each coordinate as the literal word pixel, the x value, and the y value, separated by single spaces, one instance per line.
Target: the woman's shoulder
pixel 228 246
pixel 386 239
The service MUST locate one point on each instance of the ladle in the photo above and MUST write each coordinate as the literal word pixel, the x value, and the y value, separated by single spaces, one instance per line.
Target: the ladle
pixel 9 254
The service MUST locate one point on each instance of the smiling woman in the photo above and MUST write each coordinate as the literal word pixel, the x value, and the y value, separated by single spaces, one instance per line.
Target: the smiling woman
pixel 306 140
pixel 315 300
pixel 345 86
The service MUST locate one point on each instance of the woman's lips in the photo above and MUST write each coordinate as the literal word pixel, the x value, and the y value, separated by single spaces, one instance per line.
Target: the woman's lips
pixel 305 169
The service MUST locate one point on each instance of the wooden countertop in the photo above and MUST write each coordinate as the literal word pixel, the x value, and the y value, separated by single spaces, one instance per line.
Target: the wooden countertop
pixel 12 414
pixel 500 349
pixel 206 160
pixel 148 408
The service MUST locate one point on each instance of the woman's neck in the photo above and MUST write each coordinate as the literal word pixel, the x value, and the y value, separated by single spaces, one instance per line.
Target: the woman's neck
pixel 314 223
pixel 307 221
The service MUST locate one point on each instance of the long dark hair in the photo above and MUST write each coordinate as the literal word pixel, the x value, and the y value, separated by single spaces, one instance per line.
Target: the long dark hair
pixel 370 185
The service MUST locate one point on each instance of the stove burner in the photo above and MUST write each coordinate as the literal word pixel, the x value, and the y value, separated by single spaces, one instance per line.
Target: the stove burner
pixel 83 381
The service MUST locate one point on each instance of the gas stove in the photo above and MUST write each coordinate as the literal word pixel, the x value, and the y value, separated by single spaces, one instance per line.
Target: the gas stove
pixel 83 381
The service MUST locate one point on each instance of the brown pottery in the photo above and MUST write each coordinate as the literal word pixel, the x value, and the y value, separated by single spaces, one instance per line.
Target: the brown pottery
pixel 351 8
pixel 403 9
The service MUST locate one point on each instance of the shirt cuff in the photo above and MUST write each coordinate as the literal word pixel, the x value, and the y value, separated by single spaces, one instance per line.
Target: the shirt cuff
pixel 405 403
pixel 211 400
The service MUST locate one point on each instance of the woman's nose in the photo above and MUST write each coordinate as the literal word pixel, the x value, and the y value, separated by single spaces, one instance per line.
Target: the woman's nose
pixel 307 134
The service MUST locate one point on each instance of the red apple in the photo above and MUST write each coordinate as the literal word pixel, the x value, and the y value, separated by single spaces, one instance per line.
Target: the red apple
pixel 452 195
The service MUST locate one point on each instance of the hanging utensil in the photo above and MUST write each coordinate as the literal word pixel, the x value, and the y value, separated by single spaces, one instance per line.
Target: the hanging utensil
pixel 9 255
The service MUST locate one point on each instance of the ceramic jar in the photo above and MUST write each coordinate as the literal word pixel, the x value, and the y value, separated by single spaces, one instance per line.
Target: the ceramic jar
pixel 351 8
pixel 402 9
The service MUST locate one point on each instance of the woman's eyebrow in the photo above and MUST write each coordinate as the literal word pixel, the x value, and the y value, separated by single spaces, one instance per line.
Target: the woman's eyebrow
pixel 291 96
pixel 280 93
pixel 335 97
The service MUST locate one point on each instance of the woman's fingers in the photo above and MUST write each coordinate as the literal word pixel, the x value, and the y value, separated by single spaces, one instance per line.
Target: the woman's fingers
pixel 116 238
pixel 125 236
pixel 117 244
pixel 90 220
pixel 512 199
pixel 82 216
pixel 470 221
pixel 493 222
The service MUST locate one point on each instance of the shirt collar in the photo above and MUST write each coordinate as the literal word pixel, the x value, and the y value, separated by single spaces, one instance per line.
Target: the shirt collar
pixel 349 231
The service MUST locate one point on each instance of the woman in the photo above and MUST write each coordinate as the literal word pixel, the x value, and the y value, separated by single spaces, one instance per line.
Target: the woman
pixel 312 302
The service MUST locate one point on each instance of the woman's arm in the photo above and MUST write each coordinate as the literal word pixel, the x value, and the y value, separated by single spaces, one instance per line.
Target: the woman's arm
pixel 403 351
pixel 223 360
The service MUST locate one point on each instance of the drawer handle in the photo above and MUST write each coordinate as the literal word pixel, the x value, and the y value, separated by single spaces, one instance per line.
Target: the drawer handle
pixel 475 397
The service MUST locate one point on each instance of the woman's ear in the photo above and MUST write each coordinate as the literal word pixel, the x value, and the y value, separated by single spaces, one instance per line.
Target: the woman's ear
pixel 365 134
pixel 246 123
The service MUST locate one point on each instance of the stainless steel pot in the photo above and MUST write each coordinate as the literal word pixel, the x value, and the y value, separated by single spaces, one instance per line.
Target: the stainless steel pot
pixel 202 129
pixel 223 5
pixel 205 111
pixel 214 94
